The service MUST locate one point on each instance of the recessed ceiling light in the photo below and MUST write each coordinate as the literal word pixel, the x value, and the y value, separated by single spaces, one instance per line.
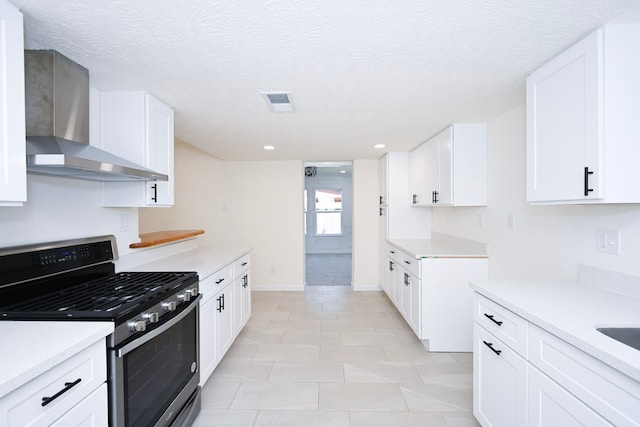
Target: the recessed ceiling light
pixel 379 146
pixel 269 147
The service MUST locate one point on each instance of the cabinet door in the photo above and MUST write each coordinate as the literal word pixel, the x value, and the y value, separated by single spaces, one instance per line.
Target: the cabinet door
pixel 552 405
pixel 91 412
pixel 445 167
pixel 13 175
pixel 237 305
pixel 499 382
pixel 159 151
pixel 411 301
pixel 564 158
pixel 246 297
pixel 208 356
pixel 224 322
pixel 418 181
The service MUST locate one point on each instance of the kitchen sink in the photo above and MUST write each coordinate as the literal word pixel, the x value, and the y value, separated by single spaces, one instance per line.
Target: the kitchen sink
pixel 626 335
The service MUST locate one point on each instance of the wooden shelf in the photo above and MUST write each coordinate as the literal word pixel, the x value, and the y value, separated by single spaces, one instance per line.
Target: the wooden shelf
pixel 160 237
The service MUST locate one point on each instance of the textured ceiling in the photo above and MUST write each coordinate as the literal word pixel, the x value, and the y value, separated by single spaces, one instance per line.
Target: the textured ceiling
pixel 360 72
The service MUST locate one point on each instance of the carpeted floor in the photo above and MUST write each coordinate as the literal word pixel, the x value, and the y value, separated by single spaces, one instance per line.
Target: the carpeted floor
pixel 328 269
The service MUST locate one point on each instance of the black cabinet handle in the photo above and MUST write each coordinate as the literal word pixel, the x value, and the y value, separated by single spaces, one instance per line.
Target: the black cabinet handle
pixel 490 317
pixel 219 299
pixel 435 197
pixel 406 279
pixel 587 172
pixel 67 387
pixel 222 302
pixel 244 263
pixel 490 345
pixel 391 266
pixel 407 262
pixel 415 199
pixel 381 211
pixel 219 281
pixel 380 200
pixel 245 281
pixel 155 193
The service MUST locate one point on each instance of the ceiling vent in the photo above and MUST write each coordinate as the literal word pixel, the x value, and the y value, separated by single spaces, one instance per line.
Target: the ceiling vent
pixel 280 102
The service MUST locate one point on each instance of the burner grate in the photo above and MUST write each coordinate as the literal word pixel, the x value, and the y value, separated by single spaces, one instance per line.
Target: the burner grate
pixel 108 297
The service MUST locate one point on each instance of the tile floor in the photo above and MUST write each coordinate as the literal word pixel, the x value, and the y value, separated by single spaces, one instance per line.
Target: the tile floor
pixel 331 357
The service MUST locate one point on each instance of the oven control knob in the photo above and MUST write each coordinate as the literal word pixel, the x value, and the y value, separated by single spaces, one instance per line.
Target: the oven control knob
pixel 138 326
pixel 152 317
pixel 185 297
pixel 193 292
pixel 169 305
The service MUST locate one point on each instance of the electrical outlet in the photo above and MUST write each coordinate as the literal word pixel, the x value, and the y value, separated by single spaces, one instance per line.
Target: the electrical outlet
pixel 608 241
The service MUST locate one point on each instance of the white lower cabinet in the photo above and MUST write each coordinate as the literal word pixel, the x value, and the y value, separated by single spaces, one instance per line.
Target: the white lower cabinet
pixel 433 296
pixel 552 405
pixel 91 412
pixel 499 382
pixel 540 380
pixel 224 310
pixel 73 393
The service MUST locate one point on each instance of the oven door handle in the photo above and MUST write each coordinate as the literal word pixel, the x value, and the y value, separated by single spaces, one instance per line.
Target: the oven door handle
pixel 159 330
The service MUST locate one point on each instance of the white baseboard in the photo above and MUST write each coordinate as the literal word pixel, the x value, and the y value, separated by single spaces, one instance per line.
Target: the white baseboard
pixel 366 287
pixel 295 288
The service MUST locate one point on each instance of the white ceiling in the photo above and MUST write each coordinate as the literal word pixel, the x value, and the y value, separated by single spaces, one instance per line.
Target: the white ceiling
pixel 360 72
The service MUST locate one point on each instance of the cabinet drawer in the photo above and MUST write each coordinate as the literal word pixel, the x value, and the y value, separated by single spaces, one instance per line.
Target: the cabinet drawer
pixel 411 264
pixel 612 394
pixel 393 253
pixel 241 265
pixel 91 412
pixel 87 369
pixel 504 324
pixel 212 284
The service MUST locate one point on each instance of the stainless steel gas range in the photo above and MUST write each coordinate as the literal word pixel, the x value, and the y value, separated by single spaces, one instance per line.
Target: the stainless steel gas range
pixel 152 355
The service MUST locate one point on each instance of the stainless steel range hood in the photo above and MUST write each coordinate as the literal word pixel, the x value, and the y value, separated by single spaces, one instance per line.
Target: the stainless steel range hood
pixel 57 116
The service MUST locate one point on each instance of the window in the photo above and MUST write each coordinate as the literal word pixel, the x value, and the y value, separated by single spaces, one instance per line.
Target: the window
pixel 328 212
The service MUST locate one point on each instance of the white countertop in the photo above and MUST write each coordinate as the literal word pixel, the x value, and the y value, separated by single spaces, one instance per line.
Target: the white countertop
pixel 441 246
pixel 31 348
pixel 206 260
pixel 572 311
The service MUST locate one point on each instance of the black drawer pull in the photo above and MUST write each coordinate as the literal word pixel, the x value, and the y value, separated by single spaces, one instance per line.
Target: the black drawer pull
pixel 490 317
pixel 408 262
pixel 219 281
pixel 243 264
pixel 67 387
pixel 490 345
pixel 587 172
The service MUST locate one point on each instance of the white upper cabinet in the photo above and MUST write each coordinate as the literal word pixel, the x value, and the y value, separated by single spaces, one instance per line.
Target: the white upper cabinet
pixel 582 121
pixel 138 128
pixel 450 169
pixel 13 172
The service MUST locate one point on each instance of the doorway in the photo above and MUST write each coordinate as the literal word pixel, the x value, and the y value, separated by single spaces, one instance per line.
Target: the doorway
pixel 328 213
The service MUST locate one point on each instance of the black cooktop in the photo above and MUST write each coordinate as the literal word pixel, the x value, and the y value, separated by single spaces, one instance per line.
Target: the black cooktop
pixel 109 297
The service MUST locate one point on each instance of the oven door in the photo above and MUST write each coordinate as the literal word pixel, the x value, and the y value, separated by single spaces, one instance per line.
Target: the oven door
pixel 153 380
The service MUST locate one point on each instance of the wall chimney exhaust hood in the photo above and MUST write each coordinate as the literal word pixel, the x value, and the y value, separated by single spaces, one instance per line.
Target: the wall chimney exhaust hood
pixel 57 118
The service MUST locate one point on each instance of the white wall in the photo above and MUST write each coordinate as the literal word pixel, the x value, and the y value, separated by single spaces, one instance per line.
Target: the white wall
pixel 260 205
pixel 365 224
pixel 60 209
pixel 547 242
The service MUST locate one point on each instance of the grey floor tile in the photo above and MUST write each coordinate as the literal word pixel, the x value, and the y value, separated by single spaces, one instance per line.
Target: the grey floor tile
pixel 380 372
pixel 438 397
pixel 332 357
pixel 276 396
pixel 361 397
pixel 302 419
pixel 319 372
pixel 222 418
pixel 397 419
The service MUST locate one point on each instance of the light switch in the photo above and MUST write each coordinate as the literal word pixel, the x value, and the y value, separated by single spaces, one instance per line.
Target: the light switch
pixel 608 241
